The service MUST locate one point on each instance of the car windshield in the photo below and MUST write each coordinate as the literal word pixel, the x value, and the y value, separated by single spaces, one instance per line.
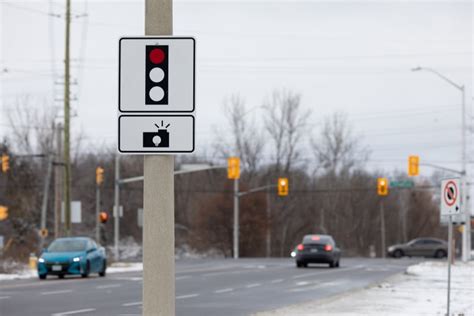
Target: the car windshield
pixel 316 239
pixel 67 245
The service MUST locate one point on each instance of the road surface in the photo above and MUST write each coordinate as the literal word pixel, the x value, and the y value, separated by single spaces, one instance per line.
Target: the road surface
pixel 203 287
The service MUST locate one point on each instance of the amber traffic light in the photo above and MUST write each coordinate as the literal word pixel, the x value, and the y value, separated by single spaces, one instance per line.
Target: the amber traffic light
pixel 233 168
pixel 99 175
pixel 103 217
pixel 382 186
pixel 282 186
pixel 5 163
pixel 3 212
pixel 413 165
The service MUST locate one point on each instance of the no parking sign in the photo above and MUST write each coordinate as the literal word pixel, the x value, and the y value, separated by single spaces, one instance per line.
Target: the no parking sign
pixel 450 197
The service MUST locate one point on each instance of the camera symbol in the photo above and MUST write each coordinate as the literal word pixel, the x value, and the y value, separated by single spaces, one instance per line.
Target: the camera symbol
pixel 161 138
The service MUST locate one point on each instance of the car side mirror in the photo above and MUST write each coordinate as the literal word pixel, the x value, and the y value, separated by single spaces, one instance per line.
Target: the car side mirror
pixel 91 250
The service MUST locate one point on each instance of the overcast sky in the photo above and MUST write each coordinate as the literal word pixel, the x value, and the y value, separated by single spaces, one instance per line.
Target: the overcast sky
pixel 349 56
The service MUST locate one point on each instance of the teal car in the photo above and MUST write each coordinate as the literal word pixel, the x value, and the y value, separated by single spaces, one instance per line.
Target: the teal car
pixel 72 255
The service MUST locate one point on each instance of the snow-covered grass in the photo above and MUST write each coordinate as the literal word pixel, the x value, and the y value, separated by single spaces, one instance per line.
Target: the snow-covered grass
pixel 422 290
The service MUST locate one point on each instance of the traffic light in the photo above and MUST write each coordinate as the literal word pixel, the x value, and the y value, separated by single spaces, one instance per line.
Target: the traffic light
pixel 103 217
pixel 3 212
pixel 5 163
pixel 413 165
pixel 382 186
pixel 156 74
pixel 99 175
pixel 233 168
pixel 282 186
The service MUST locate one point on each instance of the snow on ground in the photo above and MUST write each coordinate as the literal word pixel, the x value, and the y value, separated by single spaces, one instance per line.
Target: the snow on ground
pixel 422 290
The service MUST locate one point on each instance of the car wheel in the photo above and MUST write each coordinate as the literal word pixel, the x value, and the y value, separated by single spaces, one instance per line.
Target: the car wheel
pixel 86 272
pixel 42 276
pixel 299 264
pixel 305 265
pixel 61 276
pixel 332 264
pixel 104 268
pixel 398 253
pixel 440 254
pixel 337 264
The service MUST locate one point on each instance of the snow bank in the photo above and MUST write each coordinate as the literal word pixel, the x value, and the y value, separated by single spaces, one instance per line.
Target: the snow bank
pixel 422 290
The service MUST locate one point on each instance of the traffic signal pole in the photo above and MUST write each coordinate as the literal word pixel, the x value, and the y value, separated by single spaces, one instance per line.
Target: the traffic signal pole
pixel 236 218
pixel 116 207
pixel 158 200
pixel 382 227
pixel 97 211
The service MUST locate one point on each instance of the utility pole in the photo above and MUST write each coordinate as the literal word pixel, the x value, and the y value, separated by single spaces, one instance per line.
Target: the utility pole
pixel 466 240
pixel 67 158
pixel 57 181
pixel 236 218
pixel 117 207
pixel 158 200
pixel 382 227
pixel 98 181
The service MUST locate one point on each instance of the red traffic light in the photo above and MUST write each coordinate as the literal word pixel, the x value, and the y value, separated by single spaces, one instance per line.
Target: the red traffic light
pixel 157 55
pixel 103 217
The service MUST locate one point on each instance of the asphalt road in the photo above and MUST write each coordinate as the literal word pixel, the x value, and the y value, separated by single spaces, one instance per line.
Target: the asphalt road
pixel 203 287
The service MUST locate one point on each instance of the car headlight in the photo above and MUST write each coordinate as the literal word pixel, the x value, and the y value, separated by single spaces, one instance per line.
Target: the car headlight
pixel 391 248
pixel 76 259
pixel 41 260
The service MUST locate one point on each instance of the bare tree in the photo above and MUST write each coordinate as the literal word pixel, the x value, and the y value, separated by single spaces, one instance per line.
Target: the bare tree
pixel 337 149
pixel 286 123
pixel 247 141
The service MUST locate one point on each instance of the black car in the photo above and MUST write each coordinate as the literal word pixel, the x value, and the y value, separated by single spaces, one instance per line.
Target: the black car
pixel 318 249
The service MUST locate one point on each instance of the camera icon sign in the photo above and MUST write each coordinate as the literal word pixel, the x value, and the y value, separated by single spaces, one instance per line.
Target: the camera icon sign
pixel 160 138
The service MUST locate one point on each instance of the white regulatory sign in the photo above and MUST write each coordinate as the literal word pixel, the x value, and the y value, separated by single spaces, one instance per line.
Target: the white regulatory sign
pixel 156 95
pixel 450 197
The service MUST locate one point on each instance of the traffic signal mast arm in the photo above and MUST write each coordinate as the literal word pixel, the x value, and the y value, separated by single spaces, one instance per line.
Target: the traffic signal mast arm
pixel 442 168
pixel 262 188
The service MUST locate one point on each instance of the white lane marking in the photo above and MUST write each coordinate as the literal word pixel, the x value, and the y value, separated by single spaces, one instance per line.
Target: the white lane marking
pixel 323 273
pixel 182 277
pixel 186 296
pixel 75 312
pixel 56 292
pixel 253 285
pixel 277 281
pixel 132 304
pixel 108 286
pixel 302 283
pixel 4 297
pixel 224 290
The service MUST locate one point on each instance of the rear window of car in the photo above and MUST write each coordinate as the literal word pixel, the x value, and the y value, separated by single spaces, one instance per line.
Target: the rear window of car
pixel 317 239
pixel 68 245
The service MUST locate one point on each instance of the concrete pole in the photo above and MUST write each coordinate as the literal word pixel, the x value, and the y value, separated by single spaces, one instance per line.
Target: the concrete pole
pixel 236 218
pixel 466 235
pixel 158 200
pixel 58 181
pixel 382 227
pixel 117 207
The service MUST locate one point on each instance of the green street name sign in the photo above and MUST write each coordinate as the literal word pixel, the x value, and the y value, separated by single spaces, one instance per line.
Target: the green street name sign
pixel 405 184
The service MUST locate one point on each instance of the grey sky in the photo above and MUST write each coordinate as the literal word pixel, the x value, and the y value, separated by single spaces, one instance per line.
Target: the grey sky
pixel 350 56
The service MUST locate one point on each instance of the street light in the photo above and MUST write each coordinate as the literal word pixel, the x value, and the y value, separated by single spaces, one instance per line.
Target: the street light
pixel 466 254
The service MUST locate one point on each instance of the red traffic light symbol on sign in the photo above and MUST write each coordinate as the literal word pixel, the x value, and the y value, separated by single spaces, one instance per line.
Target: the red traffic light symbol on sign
pixel 156 74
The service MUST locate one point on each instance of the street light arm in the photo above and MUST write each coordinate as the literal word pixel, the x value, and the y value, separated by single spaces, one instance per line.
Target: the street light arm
pixel 439 75
pixel 262 188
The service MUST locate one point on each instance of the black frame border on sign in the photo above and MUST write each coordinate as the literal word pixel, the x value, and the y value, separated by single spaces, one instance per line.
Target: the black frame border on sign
pixel 158 38
pixel 157 152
